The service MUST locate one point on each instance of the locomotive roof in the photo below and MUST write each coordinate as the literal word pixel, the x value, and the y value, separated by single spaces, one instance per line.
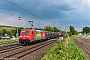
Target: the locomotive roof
pixel 27 29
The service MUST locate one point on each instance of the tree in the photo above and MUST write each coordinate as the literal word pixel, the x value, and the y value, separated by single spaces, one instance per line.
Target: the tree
pixel 55 29
pixel 70 34
pixel 19 30
pixel 48 28
pixel 8 32
pixel 12 32
pixel 86 29
pixel 73 31
pixel 4 32
pixel 1 32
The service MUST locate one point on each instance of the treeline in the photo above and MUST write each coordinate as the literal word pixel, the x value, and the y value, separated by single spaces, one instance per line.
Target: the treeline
pixel 11 32
pixel 71 31
pixel 7 26
pixel 49 28
pixel 86 30
pixel 52 29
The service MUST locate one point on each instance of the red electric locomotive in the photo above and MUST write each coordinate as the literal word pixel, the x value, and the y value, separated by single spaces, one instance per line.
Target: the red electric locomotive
pixel 29 35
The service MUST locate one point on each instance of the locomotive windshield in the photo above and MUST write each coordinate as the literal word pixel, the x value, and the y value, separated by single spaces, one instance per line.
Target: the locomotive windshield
pixel 24 32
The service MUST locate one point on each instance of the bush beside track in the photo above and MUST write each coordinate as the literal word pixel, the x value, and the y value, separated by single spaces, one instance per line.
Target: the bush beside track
pixel 65 50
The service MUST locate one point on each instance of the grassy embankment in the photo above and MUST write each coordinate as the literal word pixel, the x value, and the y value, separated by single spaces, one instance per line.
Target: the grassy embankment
pixel 65 50
pixel 7 42
pixel 8 28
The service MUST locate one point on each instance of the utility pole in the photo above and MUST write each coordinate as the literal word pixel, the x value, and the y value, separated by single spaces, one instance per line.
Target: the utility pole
pixel 38 24
pixel 65 25
pixel 17 29
pixel 17 32
pixel 60 26
pixel 53 26
pixel 31 23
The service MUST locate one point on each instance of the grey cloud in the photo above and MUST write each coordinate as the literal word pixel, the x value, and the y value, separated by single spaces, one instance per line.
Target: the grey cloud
pixel 51 11
pixel 56 10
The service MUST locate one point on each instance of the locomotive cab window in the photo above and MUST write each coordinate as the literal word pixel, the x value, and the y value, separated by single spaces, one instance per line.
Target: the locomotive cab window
pixel 24 32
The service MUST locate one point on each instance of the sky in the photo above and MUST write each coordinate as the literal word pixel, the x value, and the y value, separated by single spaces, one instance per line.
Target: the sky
pixel 58 13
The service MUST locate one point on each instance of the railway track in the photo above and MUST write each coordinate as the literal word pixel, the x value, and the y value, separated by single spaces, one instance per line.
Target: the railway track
pixel 9 47
pixel 19 51
pixel 83 45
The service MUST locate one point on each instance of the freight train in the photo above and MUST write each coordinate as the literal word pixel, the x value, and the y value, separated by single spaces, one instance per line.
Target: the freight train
pixel 29 35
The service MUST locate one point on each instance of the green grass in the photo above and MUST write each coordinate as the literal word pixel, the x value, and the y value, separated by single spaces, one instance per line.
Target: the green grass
pixel 74 51
pixel 77 36
pixel 8 41
pixel 64 51
pixel 6 27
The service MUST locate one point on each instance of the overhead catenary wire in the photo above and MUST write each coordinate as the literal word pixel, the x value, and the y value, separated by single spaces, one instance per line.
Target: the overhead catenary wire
pixel 19 17
pixel 35 6
pixel 39 10
pixel 24 9
pixel 39 4
pixel 31 3
pixel 41 7
pixel 22 19
pixel 8 14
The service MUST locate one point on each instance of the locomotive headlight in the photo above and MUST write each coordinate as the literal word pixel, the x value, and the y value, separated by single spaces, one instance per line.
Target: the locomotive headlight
pixel 27 36
pixel 20 36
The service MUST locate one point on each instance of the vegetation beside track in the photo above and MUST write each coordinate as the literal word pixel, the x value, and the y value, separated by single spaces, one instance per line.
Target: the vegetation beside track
pixel 7 42
pixel 65 50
